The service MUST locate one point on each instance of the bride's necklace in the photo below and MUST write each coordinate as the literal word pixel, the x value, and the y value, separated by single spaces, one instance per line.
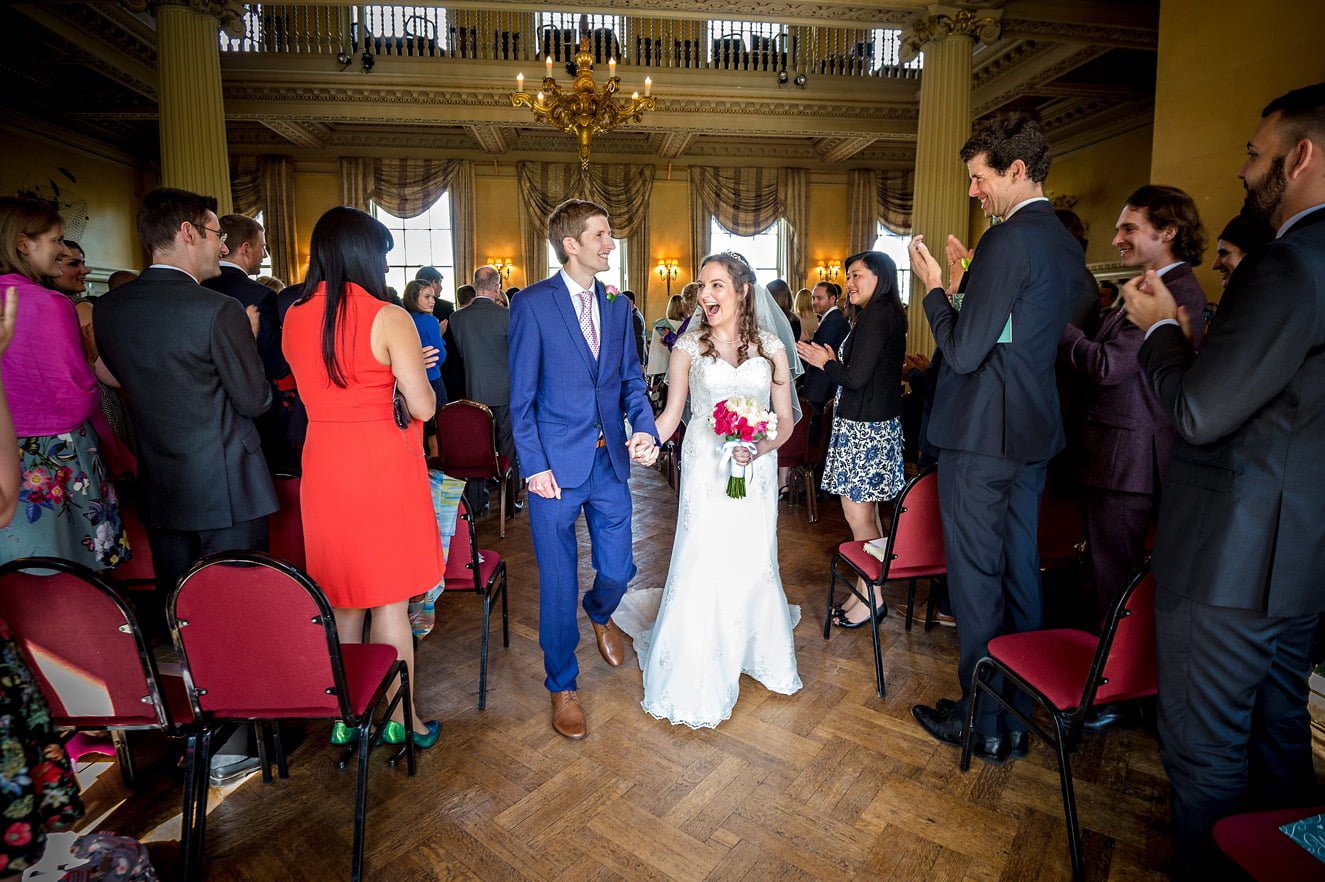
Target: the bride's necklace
pixel 713 336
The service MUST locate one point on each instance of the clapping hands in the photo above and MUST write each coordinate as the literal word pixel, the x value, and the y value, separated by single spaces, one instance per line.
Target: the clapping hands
pixel 1149 301
pixel 643 449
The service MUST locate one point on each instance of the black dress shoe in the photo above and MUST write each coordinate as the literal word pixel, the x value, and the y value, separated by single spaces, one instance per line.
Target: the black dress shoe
pixel 945 724
pixel 1107 717
pixel 840 619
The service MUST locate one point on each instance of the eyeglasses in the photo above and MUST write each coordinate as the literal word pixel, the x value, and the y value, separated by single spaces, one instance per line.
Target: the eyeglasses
pixel 220 234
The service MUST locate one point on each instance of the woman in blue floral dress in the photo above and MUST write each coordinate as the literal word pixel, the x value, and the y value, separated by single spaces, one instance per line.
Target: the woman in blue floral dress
pixel 864 460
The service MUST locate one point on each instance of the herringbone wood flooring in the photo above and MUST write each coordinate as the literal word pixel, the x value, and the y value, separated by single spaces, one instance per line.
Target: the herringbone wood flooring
pixel 832 783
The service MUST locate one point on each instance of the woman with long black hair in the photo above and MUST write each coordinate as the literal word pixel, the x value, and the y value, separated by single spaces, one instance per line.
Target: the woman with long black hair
pixel 369 531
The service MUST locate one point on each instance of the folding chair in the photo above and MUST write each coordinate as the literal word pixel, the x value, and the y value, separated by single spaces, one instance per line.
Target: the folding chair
pixel 1255 843
pixel 285 526
pixel 467 448
pixel 914 550
pixel 90 659
pixel 257 641
pixel 1067 672
pixel 795 455
pixel 482 572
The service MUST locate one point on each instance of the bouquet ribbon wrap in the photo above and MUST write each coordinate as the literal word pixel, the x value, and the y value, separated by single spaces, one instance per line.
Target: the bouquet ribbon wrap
pixel 734 471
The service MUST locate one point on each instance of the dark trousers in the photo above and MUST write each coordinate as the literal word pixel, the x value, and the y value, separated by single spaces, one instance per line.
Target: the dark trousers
pixel 1116 525
pixel 174 551
pixel 476 491
pixel 605 500
pixel 1233 725
pixel 991 509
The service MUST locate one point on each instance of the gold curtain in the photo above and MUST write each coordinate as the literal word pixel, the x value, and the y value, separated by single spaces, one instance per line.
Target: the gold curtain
pixel 277 182
pixel 245 186
pixel 624 190
pixel 461 188
pixel 794 194
pixel 356 182
pixel 875 197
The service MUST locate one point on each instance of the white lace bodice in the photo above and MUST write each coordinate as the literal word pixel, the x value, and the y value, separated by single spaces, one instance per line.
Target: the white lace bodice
pixel 713 380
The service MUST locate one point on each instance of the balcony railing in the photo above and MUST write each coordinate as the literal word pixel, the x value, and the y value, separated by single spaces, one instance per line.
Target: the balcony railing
pixel 510 35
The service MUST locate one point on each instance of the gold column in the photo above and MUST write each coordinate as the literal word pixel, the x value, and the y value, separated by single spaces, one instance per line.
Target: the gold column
pixel 194 155
pixel 945 35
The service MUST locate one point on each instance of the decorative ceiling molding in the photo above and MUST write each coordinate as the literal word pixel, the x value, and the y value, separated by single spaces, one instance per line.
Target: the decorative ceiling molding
pixel 312 135
pixel 942 22
pixel 672 144
pixel 1044 67
pixel 110 48
pixel 1083 31
pixel 491 139
pixel 840 149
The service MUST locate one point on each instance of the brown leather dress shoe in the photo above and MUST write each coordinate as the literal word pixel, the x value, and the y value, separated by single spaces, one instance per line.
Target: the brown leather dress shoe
pixel 568 716
pixel 610 645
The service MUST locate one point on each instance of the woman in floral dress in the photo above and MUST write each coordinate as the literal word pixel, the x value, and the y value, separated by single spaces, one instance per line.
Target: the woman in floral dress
pixel 66 507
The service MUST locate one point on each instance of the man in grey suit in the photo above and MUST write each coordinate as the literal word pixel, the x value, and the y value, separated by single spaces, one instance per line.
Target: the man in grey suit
pixel 1240 552
pixel 480 333
pixel 190 368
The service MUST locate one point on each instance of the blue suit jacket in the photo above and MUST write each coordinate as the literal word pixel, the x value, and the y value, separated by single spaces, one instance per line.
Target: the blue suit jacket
pixel 561 397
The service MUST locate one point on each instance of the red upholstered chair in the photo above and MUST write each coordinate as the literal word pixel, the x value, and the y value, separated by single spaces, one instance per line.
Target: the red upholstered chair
pixel 794 455
pixel 467 448
pixel 486 578
pixel 257 642
pixel 1255 843
pixel 285 526
pixel 136 573
pixel 1067 672
pixel 914 550
pixel 1061 531
pixel 89 658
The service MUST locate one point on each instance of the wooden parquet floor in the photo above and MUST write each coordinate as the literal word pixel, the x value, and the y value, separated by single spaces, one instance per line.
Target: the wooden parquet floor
pixel 832 783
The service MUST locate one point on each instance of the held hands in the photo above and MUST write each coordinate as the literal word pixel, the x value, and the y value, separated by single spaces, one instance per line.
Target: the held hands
pixel 1149 301
pixel 642 449
pixel 430 355
pixel 817 354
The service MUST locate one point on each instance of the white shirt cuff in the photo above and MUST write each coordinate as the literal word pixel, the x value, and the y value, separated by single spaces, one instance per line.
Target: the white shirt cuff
pixel 1159 324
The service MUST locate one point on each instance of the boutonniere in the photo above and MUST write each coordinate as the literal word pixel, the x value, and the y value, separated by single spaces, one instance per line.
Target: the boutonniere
pixel 612 292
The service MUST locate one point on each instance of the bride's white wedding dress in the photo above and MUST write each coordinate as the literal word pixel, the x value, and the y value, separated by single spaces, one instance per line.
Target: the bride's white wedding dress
pixel 722 611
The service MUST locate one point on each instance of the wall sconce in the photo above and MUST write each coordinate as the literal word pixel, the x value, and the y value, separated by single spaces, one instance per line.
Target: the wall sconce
pixel 503 266
pixel 829 270
pixel 667 270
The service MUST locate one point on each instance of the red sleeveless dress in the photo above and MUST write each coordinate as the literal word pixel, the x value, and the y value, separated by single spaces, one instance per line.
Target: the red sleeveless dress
pixel 369 530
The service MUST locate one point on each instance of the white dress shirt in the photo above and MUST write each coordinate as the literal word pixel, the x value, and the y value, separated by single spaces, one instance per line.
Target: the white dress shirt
pixel 178 269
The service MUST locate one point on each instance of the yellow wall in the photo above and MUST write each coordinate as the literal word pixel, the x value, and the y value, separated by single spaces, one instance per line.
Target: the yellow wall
pixel 1101 177
pixel 669 237
pixel 497 227
pixel 826 240
pixel 1220 62
pixel 110 188
pixel 316 189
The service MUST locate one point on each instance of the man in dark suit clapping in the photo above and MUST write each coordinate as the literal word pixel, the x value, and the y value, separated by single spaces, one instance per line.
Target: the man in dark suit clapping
pixel 1240 552
pixel 833 328
pixel 996 417
pixel 187 361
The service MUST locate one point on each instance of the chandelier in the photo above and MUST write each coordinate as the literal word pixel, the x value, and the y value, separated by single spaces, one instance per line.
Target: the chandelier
pixel 588 109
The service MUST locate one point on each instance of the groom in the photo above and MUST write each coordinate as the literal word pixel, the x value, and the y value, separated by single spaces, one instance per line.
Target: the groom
pixel 574 374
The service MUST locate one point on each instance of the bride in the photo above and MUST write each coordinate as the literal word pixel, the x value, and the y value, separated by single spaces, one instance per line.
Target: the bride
pixel 723 611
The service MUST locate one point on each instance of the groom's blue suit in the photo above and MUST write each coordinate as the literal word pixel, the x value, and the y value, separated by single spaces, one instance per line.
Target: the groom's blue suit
pixel 562 401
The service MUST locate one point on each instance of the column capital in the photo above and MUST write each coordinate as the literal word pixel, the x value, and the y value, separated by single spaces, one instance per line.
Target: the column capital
pixel 229 14
pixel 940 22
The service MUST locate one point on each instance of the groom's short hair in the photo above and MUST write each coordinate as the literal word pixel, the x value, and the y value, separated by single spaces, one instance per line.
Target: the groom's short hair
pixel 568 219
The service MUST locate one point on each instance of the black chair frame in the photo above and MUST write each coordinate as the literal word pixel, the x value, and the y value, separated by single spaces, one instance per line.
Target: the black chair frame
pixel 1065 723
pixel 495 586
pixel 899 508
pixel 369 735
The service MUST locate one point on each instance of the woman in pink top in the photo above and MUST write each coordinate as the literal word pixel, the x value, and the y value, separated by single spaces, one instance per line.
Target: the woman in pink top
pixel 66 507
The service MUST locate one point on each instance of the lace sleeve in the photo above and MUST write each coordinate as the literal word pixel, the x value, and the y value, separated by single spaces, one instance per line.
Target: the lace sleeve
pixel 770 343
pixel 689 344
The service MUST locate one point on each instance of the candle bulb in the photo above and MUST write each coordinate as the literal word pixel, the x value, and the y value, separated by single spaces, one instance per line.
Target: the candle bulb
pixel 648 86
pixel 549 65
pixel 634 96
pixel 519 81
pixel 611 67
pixel 540 97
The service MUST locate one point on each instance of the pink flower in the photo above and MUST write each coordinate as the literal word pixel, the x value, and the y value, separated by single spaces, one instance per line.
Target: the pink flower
pixel 18 834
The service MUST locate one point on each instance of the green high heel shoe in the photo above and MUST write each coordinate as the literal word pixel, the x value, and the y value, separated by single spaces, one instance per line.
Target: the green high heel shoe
pixel 395 734
pixel 342 734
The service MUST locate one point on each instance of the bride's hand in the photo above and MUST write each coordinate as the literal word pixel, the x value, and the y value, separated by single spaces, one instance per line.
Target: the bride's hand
pixel 742 455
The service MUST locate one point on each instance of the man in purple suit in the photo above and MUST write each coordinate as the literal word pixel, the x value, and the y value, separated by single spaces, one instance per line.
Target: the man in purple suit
pixel 1127 436
pixel 575 379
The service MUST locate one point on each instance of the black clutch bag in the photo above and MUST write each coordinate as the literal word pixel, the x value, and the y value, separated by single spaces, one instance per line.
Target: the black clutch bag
pixel 399 411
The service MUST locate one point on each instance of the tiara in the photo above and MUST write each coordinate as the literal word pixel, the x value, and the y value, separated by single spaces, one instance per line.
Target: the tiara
pixel 738 258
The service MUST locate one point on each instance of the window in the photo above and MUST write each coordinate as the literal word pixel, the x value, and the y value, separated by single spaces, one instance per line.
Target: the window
pixel 613 275
pixel 753 36
pixel 762 251
pixel 559 35
pixel 420 241
pixel 425 25
pixel 887 48
pixel 265 269
pixel 894 245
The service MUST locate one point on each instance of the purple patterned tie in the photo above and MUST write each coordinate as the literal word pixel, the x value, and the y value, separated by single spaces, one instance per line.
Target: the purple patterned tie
pixel 586 321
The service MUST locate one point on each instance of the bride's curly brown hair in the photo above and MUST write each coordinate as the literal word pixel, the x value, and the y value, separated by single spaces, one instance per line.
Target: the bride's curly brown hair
pixel 743 282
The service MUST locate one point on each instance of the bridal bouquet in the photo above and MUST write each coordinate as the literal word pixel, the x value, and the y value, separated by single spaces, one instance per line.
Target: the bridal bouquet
pixel 740 422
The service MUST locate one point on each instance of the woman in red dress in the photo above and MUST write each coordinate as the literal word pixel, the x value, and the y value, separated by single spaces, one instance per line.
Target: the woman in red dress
pixel 369 530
